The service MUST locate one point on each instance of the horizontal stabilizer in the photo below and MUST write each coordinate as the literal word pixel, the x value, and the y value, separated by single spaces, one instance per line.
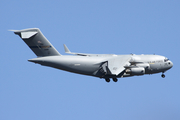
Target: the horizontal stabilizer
pixel 26 35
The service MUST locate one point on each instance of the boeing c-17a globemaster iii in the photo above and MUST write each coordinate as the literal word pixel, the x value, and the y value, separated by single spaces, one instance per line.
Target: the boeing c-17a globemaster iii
pixel 107 66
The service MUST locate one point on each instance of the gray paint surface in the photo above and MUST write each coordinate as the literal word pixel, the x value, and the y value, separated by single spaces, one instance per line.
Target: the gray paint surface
pixel 98 65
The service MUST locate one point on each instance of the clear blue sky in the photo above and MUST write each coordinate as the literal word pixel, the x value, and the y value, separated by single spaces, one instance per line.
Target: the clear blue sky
pixel 29 91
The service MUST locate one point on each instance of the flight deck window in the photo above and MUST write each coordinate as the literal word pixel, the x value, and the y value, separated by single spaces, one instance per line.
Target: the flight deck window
pixel 166 59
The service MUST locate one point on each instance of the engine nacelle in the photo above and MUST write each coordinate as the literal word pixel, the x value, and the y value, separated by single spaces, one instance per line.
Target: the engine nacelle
pixel 136 71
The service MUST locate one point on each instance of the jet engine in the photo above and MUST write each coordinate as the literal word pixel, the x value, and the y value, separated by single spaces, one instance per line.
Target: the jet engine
pixel 136 71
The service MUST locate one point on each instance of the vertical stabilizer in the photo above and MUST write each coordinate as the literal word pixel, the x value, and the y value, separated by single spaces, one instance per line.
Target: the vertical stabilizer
pixel 37 42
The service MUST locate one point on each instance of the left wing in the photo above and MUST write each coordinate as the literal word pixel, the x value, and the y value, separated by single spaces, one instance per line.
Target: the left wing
pixel 113 67
pixel 116 65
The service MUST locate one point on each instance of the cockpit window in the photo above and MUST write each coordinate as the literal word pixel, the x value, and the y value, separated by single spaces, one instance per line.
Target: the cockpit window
pixel 166 59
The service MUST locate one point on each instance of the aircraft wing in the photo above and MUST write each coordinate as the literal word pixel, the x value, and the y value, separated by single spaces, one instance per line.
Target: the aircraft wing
pixel 116 65
pixel 69 52
pixel 85 54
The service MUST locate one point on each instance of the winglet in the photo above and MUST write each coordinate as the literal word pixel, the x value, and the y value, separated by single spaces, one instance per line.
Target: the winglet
pixel 66 49
pixel 69 52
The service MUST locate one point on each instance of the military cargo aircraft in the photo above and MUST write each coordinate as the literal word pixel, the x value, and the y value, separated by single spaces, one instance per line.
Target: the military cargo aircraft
pixel 107 66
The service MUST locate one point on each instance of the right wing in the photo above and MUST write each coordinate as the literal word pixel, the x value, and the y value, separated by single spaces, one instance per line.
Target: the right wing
pixel 85 54
pixel 69 52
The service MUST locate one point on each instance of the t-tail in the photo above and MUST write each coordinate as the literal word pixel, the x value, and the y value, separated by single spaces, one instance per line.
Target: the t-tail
pixel 37 42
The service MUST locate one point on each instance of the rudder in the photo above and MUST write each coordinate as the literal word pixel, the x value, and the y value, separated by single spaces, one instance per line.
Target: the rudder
pixel 37 42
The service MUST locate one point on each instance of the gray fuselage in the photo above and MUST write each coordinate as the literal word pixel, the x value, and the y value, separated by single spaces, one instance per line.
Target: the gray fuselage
pixel 98 65
pixel 89 65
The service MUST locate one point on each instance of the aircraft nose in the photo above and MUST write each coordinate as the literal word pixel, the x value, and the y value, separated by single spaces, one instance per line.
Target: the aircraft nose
pixel 170 64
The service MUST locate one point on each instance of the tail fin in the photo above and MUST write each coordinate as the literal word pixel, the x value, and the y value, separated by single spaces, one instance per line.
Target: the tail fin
pixel 37 42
